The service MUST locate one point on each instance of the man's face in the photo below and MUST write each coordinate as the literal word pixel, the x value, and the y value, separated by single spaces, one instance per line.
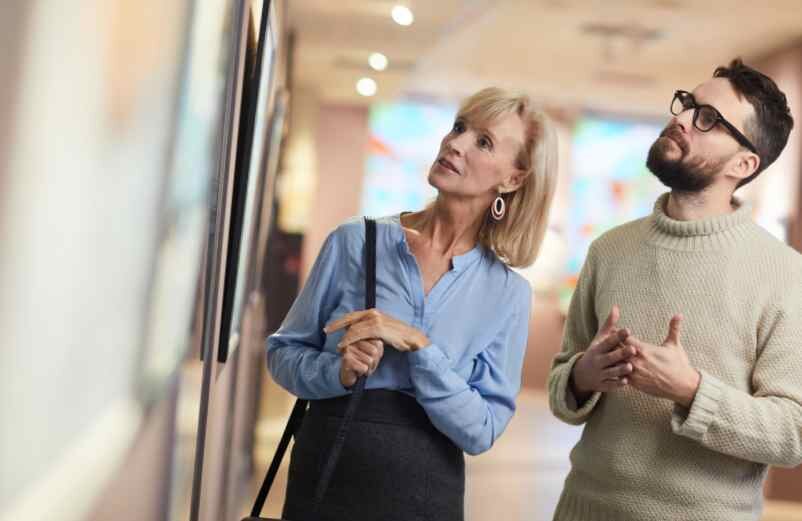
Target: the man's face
pixel 686 159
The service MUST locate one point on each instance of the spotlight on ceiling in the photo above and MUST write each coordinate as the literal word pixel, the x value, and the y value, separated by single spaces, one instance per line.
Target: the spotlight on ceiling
pixel 402 15
pixel 378 61
pixel 366 87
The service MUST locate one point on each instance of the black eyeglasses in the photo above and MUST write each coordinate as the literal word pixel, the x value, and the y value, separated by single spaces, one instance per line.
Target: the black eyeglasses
pixel 705 117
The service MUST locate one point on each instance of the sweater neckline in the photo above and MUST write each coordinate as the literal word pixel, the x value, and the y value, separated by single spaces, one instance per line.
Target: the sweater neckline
pixel 709 233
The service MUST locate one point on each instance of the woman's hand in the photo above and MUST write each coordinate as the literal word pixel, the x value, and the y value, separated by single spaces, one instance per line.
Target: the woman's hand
pixel 360 358
pixel 373 324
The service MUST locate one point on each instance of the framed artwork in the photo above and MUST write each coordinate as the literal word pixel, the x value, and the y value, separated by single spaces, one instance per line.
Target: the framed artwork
pixel 253 154
pixel 610 183
pixel 192 169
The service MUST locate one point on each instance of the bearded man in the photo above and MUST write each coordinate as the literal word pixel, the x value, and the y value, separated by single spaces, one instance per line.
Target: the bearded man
pixel 682 351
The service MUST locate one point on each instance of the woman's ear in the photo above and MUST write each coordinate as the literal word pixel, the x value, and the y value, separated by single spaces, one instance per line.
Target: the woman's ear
pixel 513 182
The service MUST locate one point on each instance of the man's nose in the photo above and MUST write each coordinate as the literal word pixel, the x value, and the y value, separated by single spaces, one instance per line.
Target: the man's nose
pixel 684 120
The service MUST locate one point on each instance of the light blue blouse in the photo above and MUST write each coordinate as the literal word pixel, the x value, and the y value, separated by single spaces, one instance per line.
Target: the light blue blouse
pixel 476 317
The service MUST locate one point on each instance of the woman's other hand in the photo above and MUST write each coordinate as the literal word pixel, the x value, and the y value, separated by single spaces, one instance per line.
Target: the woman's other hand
pixel 359 358
pixel 372 323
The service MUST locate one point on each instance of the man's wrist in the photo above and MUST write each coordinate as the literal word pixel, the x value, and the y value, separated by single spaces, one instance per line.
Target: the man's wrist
pixel 690 389
pixel 580 394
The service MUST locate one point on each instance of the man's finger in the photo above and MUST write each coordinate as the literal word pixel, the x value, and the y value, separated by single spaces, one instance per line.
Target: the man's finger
pixel 618 355
pixel 612 340
pixel 635 342
pixel 617 371
pixel 673 330
pixel 612 320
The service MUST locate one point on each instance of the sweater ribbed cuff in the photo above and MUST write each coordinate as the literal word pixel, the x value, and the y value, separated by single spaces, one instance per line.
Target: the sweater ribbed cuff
pixel 695 422
pixel 568 408
pixel 571 507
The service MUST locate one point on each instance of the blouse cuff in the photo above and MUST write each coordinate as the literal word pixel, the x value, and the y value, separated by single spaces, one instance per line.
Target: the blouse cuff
pixel 331 376
pixel 430 358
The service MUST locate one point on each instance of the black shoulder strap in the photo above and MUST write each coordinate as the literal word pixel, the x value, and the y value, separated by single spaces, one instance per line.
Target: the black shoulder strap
pixel 293 423
pixel 359 386
pixel 299 409
pixel 370 263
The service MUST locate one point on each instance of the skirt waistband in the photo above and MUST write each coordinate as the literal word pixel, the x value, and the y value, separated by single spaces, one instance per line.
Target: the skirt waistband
pixel 376 405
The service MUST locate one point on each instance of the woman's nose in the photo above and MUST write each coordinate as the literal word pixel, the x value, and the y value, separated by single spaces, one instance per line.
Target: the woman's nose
pixel 457 143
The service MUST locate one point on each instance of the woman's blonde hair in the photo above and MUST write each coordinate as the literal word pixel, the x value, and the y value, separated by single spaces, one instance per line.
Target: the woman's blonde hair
pixel 516 239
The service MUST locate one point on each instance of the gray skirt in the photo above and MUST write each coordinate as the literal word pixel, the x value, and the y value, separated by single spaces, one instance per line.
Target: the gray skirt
pixel 395 465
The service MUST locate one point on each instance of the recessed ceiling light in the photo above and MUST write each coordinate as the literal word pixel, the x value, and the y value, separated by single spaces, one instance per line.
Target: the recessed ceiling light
pixel 402 15
pixel 378 61
pixel 366 87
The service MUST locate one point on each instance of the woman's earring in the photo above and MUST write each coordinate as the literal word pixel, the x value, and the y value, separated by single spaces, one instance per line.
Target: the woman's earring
pixel 499 208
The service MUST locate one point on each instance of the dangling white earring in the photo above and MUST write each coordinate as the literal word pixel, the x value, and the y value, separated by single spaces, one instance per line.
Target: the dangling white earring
pixel 499 208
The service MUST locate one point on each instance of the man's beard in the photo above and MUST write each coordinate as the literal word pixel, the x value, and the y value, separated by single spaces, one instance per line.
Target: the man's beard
pixel 679 174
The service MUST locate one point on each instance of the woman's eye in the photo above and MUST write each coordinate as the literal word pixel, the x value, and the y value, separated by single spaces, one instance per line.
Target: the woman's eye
pixel 484 142
pixel 459 127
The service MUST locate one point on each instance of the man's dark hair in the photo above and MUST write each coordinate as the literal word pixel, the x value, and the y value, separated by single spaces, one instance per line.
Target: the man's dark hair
pixel 769 128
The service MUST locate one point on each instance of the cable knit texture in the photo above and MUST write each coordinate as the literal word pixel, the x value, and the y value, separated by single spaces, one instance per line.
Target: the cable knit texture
pixel 740 291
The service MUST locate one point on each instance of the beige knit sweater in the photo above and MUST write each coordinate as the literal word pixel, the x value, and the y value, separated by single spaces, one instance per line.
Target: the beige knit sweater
pixel 740 291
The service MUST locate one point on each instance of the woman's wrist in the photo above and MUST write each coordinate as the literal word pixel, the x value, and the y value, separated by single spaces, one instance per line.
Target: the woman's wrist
pixel 418 342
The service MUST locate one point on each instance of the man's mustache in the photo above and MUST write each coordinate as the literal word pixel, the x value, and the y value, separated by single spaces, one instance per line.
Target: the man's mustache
pixel 675 134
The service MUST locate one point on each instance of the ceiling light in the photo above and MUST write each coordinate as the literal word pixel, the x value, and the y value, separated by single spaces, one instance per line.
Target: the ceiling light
pixel 378 61
pixel 366 87
pixel 402 15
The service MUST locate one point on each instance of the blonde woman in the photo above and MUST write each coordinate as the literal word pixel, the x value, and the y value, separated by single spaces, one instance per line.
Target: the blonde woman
pixel 444 345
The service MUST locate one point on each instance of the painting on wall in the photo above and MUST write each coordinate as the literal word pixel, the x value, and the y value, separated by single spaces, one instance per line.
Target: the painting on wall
pixel 404 138
pixel 610 184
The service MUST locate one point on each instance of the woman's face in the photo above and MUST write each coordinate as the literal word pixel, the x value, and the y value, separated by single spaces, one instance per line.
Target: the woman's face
pixel 476 162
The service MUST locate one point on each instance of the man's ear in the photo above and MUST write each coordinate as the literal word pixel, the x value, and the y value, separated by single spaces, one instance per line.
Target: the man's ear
pixel 745 165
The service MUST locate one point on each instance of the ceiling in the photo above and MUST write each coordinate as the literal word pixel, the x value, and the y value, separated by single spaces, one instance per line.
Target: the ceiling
pixel 623 55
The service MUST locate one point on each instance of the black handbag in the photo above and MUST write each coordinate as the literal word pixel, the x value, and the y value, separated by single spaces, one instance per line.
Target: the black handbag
pixel 299 410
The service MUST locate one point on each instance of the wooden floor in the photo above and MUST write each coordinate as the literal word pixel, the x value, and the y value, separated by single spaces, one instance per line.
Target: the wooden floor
pixel 522 476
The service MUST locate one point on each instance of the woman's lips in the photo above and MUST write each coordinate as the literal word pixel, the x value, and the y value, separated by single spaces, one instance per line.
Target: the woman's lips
pixel 448 165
